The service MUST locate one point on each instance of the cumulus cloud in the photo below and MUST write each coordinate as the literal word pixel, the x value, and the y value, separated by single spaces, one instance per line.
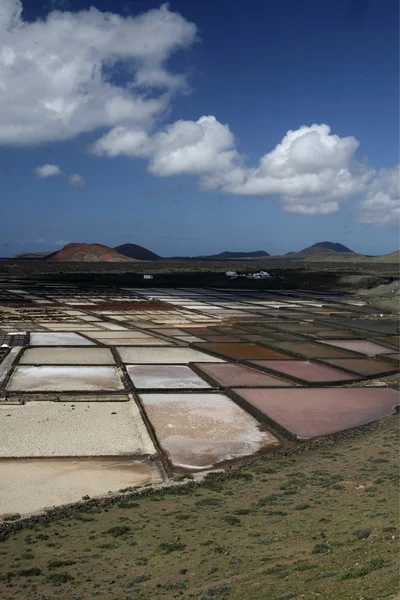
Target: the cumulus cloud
pixel 57 73
pixel 381 206
pixel 311 170
pixel 46 171
pixel 192 147
pixel 133 142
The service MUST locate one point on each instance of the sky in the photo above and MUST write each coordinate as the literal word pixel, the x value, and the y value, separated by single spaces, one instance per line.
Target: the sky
pixel 198 126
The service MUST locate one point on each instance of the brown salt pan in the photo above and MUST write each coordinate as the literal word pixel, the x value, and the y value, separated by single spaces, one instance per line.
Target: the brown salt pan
pixel 363 366
pixel 312 350
pixel 305 370
pixel 228 374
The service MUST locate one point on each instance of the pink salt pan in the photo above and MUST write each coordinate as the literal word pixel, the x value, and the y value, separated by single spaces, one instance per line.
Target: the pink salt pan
pixel 362 346
pixel 313 412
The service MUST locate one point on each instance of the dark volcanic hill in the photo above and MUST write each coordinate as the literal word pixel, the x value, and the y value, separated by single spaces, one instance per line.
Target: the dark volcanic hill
pixel 228 255
pixel 225 256
pixel 87 253
pixel 320 248
pixel 138 252
pixel 335 246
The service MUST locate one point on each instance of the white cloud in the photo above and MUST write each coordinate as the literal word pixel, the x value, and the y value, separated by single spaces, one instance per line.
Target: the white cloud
pixel 133 142
pixel 381 206
pixel 311 170
pixel 192 147
pixel 56 73
pixel 76 180
pixel 48 171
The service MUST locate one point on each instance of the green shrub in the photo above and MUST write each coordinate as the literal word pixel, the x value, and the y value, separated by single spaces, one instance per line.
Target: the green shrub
pixel 118 530
pixel 231 520
pixel 174 546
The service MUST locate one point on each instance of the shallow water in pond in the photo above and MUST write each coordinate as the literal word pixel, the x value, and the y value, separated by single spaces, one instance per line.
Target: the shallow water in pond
pixel 198 431
pixel 165 376
pixel 60 378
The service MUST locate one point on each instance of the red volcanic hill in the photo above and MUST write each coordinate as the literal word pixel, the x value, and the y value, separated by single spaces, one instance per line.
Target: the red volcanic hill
pixel 88 253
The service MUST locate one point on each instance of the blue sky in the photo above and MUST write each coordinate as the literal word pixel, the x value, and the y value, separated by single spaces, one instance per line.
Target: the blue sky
pixel 188 187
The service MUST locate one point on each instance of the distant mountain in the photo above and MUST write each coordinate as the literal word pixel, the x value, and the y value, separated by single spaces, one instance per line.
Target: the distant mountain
pixel 31 255
pixel 320 248
pixel 138 252
pixel 87 253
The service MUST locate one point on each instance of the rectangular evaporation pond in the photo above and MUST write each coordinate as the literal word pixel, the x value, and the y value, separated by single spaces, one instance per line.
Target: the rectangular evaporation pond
pixel 314 412
pixel 198 431
pixel 58 339
pixel 229 375
pixel 142 341
pixel 312 350
pixel 67 356
pixel 169 331
pixel 221 339
pixel 243 351
pixel 68 379
pixel 163 355
pixel 362 346
pixel 391 339
pixel 305 370
pixel 329 334
pixel 198 330
pixel 51 429
pixel 120 334
pixel 385 327
pixel 32 484
pixel 165 377
pixel 363 366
